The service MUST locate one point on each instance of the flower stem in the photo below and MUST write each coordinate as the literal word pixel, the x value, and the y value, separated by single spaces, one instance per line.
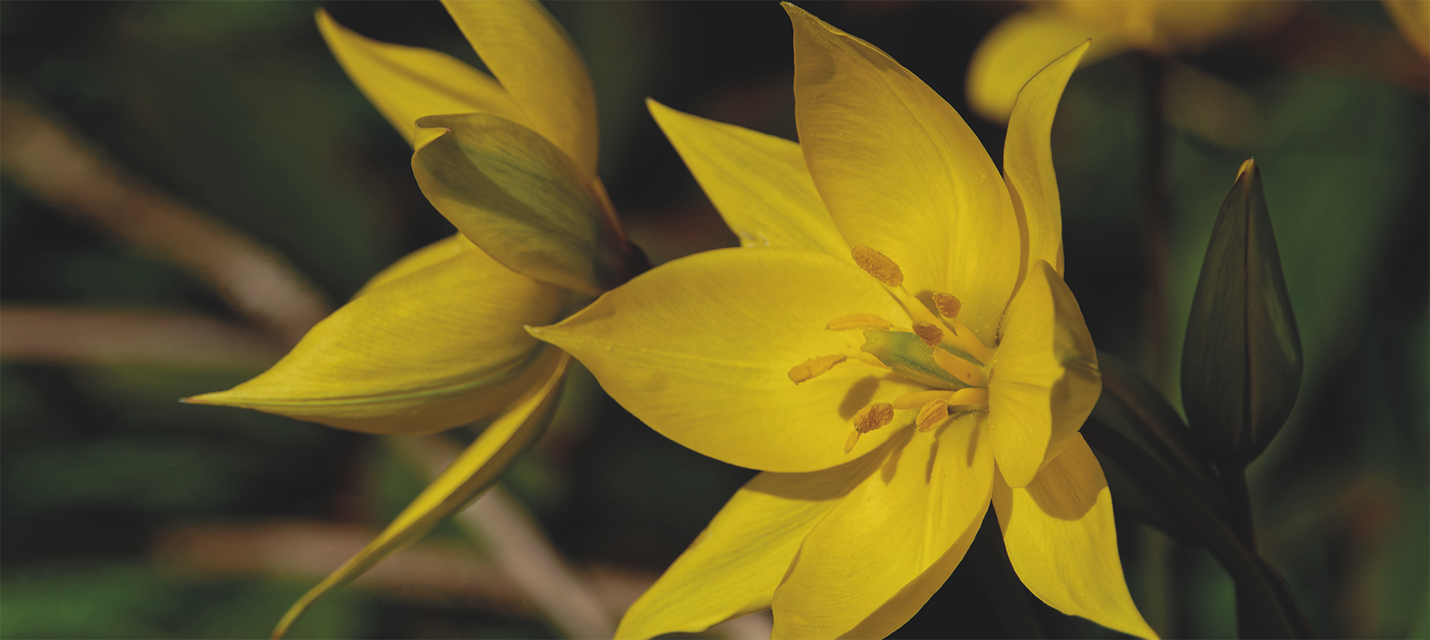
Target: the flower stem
pixel 1238 499
pixel 1154 219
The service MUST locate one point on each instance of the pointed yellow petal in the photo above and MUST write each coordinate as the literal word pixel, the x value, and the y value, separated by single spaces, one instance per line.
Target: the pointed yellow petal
pixel 891 543
pixel 529 52
pixel 733 567
pixel 1062 541
pixel 1020 46
pixel 758 182
pixel 406 83
pixel 441 250
pixel 1045 378
pixel 480 465
pixel 440 347
pixel 1028 160
pixel 701 348
pixel 902 173
pixel 521 199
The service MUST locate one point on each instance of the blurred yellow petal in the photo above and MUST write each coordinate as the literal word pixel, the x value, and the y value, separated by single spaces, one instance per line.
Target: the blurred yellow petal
pixel 520 198
pixel 444 249
pixel 758 182
pixel 1162 26
pixel 1412 18
pixel 733 567
pixel 1045 378
pixel 1062 541
pixel 1028 160
pixel 406 83
pixel 1019 47
pixel 529 52
pixel 874 561
pixel 902 173
pixel 702 348
pixel 480 465
pixel 438 348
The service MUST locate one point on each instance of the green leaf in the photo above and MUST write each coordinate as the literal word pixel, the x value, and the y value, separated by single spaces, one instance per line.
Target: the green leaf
pixel 1241 361
pixel 522 200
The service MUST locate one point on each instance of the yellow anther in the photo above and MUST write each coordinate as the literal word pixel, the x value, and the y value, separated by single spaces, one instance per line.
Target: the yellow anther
pixel 959 368
pixel 969 398
pixel 947 305
pixel 916 399
pixel 932 415
pixel 858 321
pixel 930 334
pixel 873 417
pixel 812 367
pixel 878 265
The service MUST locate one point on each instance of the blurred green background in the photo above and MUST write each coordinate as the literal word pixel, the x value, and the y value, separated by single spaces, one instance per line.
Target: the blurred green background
pixel 126 514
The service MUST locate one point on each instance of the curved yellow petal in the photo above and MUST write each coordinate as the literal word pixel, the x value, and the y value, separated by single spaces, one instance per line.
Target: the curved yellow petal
pixel 444 249
pixel 1028 160
pixel 1062 541
pixel 902 173
pixel 1412 18
pixel 529 52
pixel 758 182
pixel 479 466
pixel 891 543
pixel 701 349
pixel 1044 378
pixel 1021 45
pixel 406 83
pixel 733 567
pixel 438 348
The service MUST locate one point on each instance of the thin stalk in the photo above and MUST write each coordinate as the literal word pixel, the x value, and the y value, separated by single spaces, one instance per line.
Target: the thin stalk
pixel 1155 216
pixel 1238 502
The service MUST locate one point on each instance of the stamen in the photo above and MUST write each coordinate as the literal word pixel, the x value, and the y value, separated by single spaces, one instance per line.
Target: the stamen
pixel 930 334
pixel 868 419
pixel 972 397
pixel 932 415
pixel 967 341
pixel 947 305
pixel 959 368
pixel 878 265
pixel 916 399
pixel 813 367
pixel 859 321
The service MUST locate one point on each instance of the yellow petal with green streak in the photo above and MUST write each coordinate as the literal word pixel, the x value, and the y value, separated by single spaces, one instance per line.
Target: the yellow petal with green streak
pixel 1028 160
pixel 441 250
pixel 406 83
pixel 480 465
pixel 1044 378
pixel 902 173
pixel 1021 45
pixel 1062 541
pixel 529 52
pixel 435 349
pixel 734 566
pixel 520 198
pixel 874 561
pixel 700 349
pixel 758 182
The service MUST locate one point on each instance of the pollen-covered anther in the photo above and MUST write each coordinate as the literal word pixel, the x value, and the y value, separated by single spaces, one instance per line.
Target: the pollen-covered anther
pixel 869 419
pixel 932 415
pixel 858 321
pixel 878 265
pixel 930 334
pixel 813 367
pixel 948 305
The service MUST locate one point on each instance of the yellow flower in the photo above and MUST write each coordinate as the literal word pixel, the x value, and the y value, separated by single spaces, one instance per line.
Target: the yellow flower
pixel 1021 44
pixel 437 340
pixel 893 347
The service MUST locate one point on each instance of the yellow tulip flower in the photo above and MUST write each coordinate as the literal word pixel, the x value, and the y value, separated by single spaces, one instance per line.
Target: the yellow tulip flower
pixel 1022 43
pixel 437 340
pixel 893 346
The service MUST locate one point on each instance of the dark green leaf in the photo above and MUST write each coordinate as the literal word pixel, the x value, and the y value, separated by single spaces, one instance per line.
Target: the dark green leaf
pixel 1241 362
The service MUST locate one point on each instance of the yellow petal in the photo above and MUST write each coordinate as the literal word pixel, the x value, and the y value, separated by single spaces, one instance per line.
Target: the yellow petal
pixel 1021 45
pixel 519 198
pixel 892 542
pixel 1044 378
pixel 733 567
pixel 1028 160
pixel 440 347
pixel 1062 541
pixel 1412 18
pixel 758 182
pixel 701 348
pixel 406 83
pixel 902 173
pixel 480 465
pixel 441 250
pixel 529 52
pixel 1156 25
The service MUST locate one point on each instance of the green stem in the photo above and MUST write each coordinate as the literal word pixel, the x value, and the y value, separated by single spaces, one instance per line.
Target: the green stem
pixel 1238 502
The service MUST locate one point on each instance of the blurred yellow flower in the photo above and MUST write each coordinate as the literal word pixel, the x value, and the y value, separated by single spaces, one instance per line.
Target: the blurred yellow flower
pixel 437 340
pixel 1018 46
pixel 1412 18
pixel 894 348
